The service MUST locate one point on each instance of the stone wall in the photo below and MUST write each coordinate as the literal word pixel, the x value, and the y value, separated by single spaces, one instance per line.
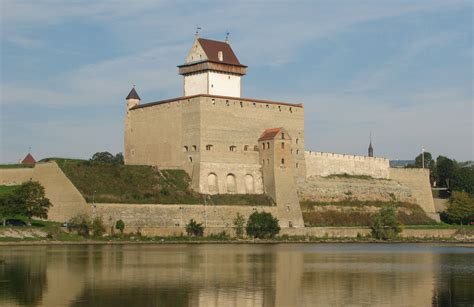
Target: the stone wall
pixel 418 181
pixel 333 189
pixel 143 216
pixel 67 201
pixel 325 164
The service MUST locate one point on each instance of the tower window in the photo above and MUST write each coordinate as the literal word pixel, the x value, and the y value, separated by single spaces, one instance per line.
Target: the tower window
pixel 263 146
pixel 213 101
pixel 268 106
pixel 297 141
pixel 279 108
pixel 268 145
pixel 220 55
pixel 268 161
pixel 194 147
pixel 282 136
pixel 291 110
pixel 241 104
pixel 282 161
pixel 190 159
pixel 282 145
pixel 232 148
pixel 263 161
pixel 246 147
pixel 208 147
pixel 297 165
pixel 297 151
pixel 255 148
pixel 185 148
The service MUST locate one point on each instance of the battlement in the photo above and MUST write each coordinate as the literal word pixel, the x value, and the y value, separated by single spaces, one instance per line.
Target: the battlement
pixel 326 164
pixel 344 156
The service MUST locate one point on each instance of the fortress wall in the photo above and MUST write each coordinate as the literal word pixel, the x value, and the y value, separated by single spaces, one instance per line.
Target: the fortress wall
pixel 418 181
pixel 248 178
pixel 146 216
pixel 323 189
pixel 229 122
pixel 67 201
pixel 325 164
pixel 15 176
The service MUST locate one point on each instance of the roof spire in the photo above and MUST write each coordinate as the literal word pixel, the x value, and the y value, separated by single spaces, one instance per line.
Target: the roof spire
pixel 371 149
pixel 197 31
pixel 133 94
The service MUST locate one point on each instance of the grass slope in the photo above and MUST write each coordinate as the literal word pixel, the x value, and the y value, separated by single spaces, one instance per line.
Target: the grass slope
pixel 142 184
pixel 356 213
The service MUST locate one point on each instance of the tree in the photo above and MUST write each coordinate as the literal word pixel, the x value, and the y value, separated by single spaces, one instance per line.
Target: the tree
pixel 262 225
pixel 103 157
pixel 445 169
pixel 98 227
pixel 119 158
pixel 239 224
pixel 194 229
pixel 428 160
pixel 30 201
pixel 463 180
pixel 120 225
pixel 385 224
pixel 460 208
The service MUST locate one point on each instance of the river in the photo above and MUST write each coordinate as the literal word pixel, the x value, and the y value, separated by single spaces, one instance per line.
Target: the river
pixel 237 275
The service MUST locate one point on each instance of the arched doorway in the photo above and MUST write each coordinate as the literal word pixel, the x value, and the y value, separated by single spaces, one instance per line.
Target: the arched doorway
pixel 230 183
pixel 212 185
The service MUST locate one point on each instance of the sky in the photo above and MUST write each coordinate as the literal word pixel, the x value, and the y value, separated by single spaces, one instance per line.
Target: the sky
pixel 402 70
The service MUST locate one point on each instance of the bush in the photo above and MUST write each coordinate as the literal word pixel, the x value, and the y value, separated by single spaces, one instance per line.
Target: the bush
pixel 98 227
pixel 262 225
pixel 120 225
pixel 385 224
pixel 80 224
pixel 460 208
pixel 239 224
pixel 194 229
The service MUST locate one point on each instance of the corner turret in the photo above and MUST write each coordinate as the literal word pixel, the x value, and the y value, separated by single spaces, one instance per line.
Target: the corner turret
pixel 132 99
pixel 371 149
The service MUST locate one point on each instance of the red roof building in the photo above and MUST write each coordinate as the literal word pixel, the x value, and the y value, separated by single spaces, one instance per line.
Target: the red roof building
pixel 28 160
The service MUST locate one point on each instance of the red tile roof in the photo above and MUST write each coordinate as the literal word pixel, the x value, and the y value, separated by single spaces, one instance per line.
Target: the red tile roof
pixel 212 48
pixel 28 159
pixel 269 134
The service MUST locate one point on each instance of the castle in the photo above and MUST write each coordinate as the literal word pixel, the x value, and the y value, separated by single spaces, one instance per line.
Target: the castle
pixel 231 144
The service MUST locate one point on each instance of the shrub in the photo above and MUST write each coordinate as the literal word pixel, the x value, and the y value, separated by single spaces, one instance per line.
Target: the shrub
pixel 80 224
pixel 120 225
pixel 385 224
pixel 460 208
pixel 194 229
pixel 98 227
pixel 262 225
pixel 239 224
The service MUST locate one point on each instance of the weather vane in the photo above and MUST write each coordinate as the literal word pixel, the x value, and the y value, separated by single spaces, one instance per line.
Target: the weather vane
pixel 197 30
pixel 227 37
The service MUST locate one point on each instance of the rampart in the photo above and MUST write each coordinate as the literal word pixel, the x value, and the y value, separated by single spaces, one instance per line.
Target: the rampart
pixel 325 164
pixel 418 181
pixel 66 199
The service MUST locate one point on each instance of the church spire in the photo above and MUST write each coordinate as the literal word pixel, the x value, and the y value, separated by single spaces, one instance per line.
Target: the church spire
pixel 371 149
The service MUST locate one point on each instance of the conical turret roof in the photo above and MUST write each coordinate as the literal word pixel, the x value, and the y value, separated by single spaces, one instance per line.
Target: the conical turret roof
pixel 133 94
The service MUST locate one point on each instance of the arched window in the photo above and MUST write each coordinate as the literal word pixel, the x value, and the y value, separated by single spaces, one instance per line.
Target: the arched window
pixel 249 184
pixel 194 147
pixel 230 182
pixel 190 159
pixel 185 148
pixel 212 185
pixel 232 148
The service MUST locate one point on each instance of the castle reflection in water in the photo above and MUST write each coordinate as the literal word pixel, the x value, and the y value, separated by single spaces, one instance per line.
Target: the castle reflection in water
pixel 236 275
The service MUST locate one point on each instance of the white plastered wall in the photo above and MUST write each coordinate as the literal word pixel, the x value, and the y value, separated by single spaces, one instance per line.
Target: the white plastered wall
pixel 224 84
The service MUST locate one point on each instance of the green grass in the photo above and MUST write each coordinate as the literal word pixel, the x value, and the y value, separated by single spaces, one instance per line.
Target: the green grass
pixel 16 165
pixel 358 216
pixel 143 184
pixel 7 189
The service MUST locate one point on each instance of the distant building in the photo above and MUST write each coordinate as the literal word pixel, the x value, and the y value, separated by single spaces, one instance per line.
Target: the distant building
pixel 28 160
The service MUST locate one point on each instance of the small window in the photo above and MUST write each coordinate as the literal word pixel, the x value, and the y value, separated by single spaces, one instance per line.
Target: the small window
pixel 263 161
pixel 297 165
pixel 268 161
pixel 297 151
pixel 220 55
pixel 291 110
pixel 228 76
pixel 208 147
pixel 279 108
pixel 212 85
pixel 282 145
pixel 268 145
pixel 263 146
pixel 241 104
pixel 255 148
pixel 194 147
pixel 282 161
pixel 297 141
pixel 268 106
pixel 246 147
pixel 227 102
pixel 185 148
pixel 213 101
pixel 282 136
pixel 232 148
pixel 190 159
pixel 254 104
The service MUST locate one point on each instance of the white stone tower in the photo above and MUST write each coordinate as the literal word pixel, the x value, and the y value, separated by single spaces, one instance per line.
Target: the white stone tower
pixel 132 99
pixel 212 68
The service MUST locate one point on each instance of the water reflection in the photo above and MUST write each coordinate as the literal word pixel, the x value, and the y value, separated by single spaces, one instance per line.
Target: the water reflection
pixel 237 275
